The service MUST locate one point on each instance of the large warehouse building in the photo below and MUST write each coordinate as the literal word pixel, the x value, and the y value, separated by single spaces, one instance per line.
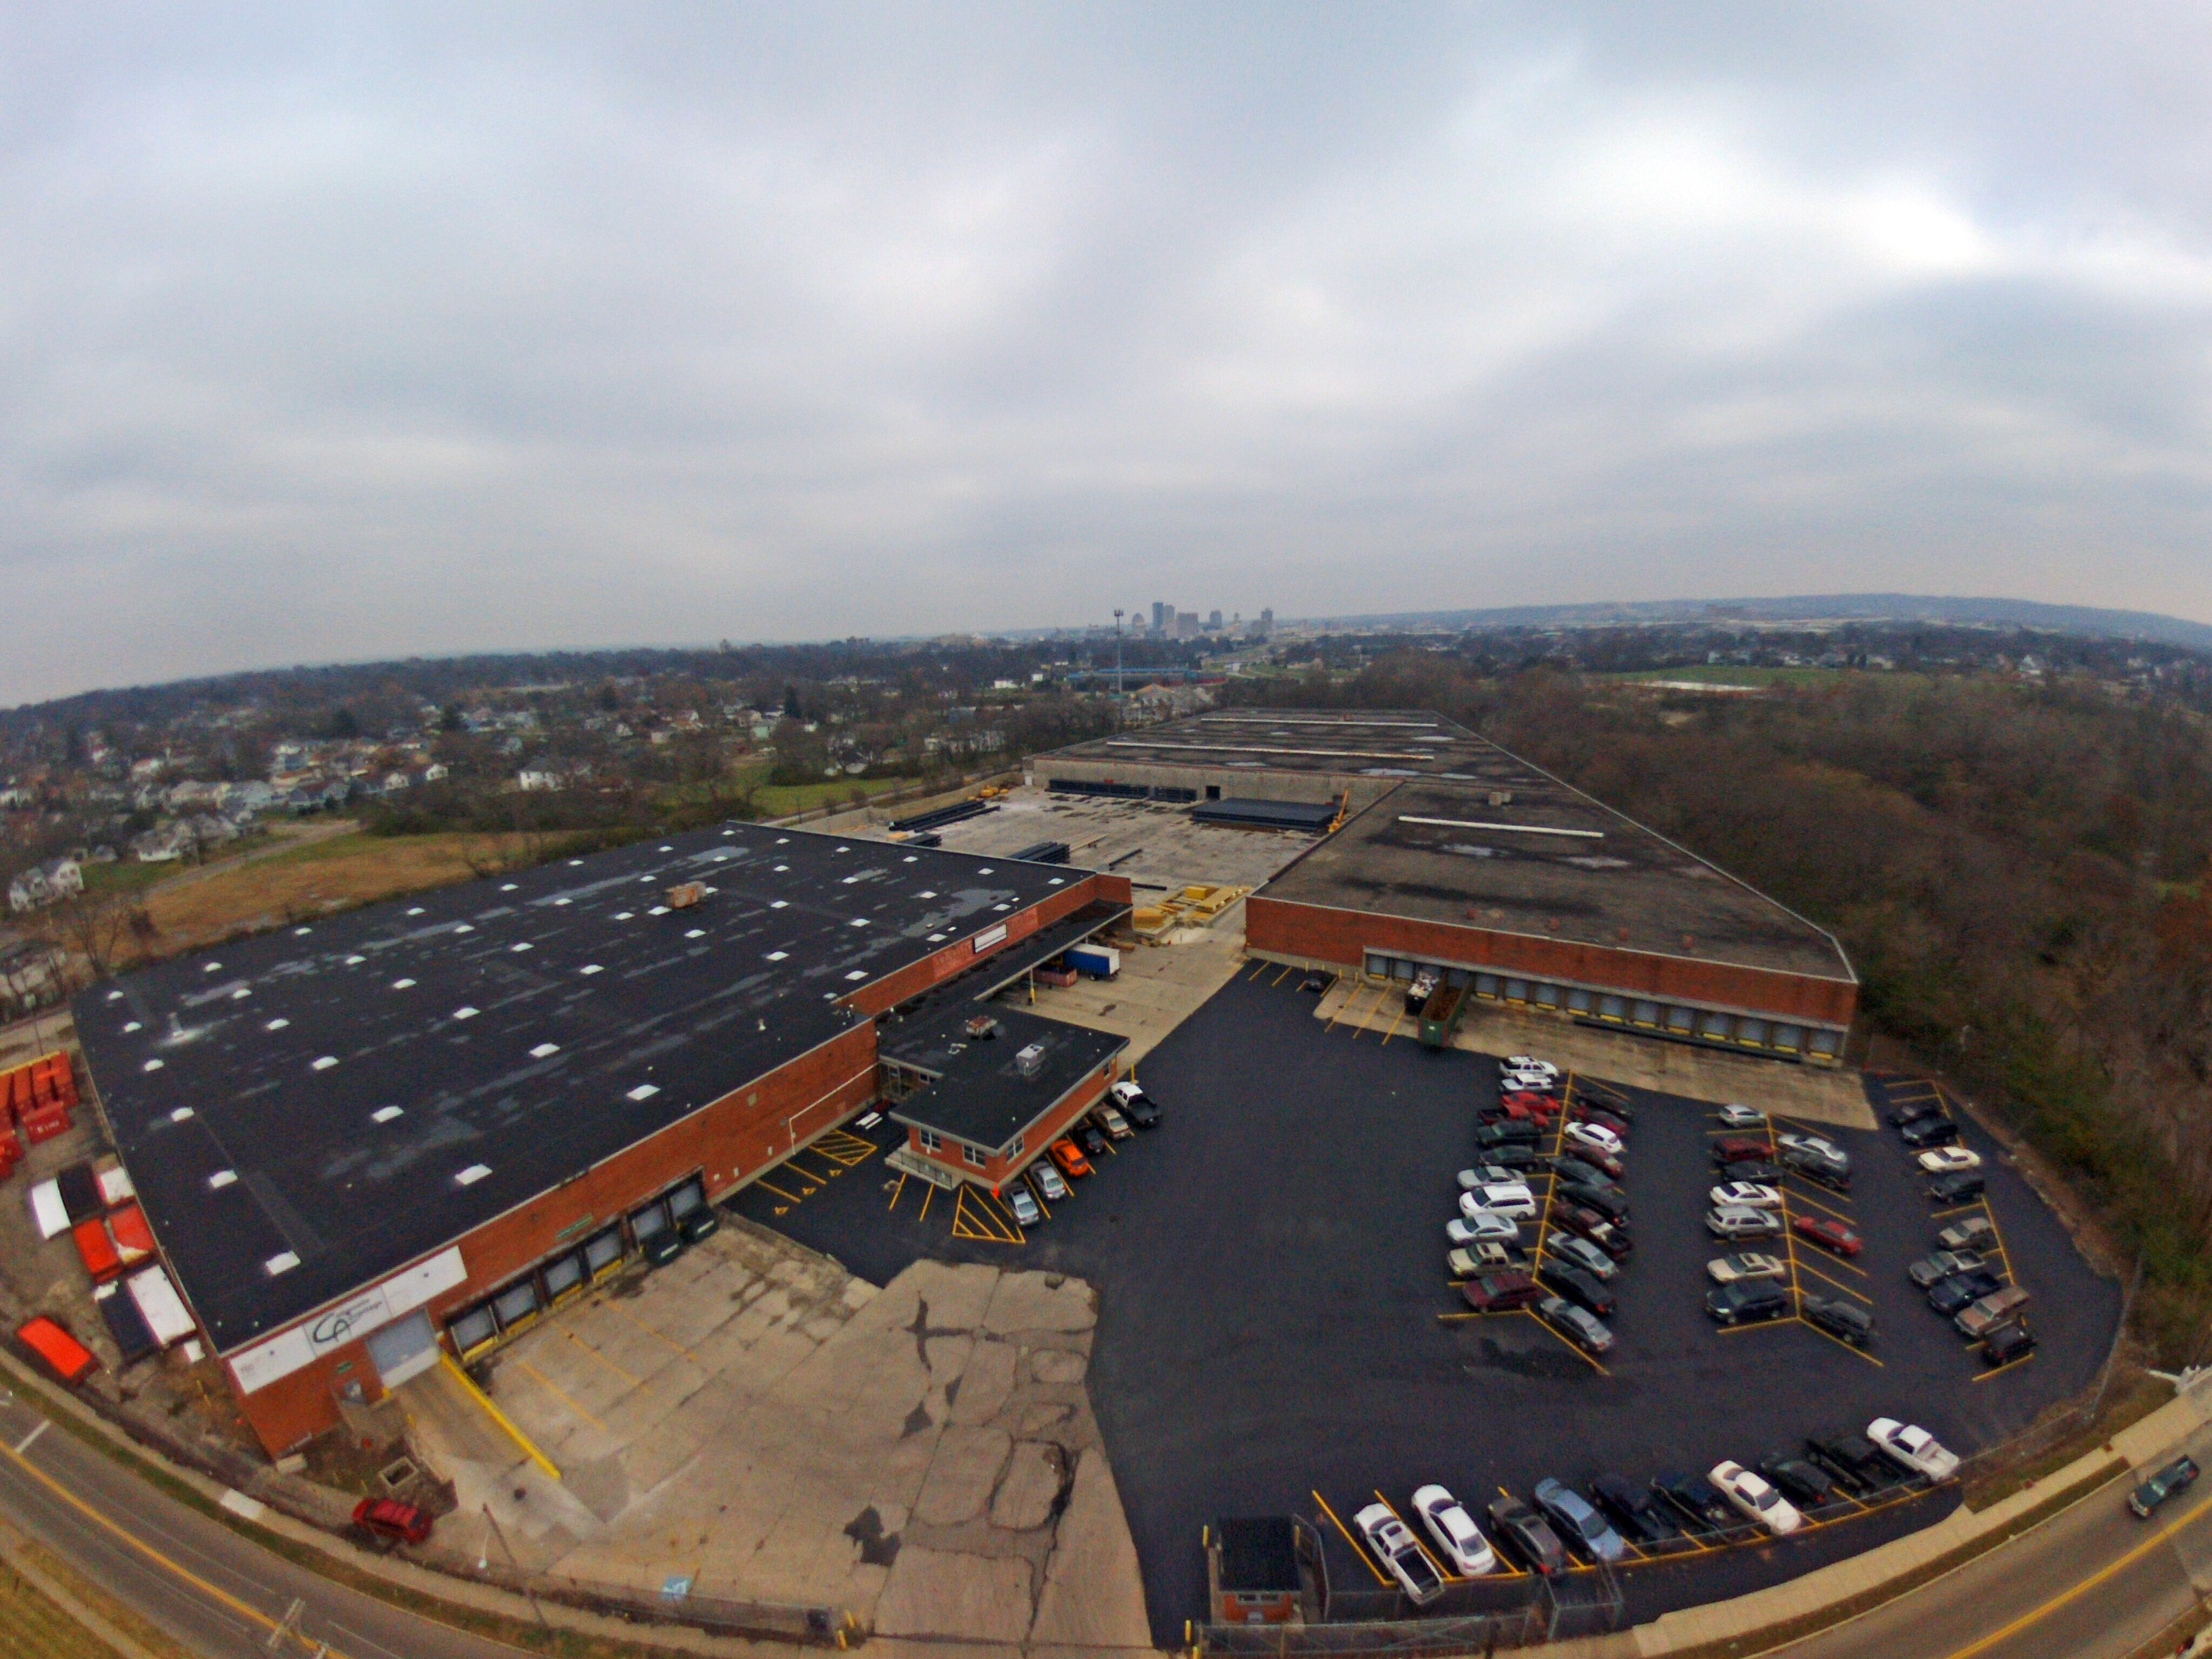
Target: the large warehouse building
pixel 412 1129
pixel 1456 856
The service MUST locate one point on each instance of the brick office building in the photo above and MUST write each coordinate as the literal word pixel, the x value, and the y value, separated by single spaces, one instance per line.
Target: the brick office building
pixel 415 1129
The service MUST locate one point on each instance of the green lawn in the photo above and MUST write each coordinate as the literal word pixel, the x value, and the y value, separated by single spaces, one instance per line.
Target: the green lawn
pixel 780 799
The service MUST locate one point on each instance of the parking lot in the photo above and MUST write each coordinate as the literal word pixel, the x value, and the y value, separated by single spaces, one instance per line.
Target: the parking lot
pixel 1272 1334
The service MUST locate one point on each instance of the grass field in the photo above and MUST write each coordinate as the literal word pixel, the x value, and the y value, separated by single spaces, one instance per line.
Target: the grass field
pixel 775 800
pixel 329 875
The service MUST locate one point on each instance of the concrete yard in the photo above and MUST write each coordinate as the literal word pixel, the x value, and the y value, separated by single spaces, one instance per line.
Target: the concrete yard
pixel 756 1420
pixel 1162 983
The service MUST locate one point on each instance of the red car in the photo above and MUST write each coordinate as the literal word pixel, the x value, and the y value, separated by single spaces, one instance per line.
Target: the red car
pixel 1500 1293
pixel 1587 1113
pixel 1742 1149
pixel 1829 1234
pixel 388 1518
pixel 1069 1156
pixel 1534 1101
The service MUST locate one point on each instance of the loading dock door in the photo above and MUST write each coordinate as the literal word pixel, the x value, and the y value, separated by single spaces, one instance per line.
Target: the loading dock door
pixel 404 1350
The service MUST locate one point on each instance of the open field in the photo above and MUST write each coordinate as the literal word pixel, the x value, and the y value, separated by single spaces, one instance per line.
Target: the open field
pixel 775 800
pixel 330 875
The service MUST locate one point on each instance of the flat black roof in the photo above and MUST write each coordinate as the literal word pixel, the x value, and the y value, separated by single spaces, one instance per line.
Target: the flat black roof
pixel 978 1092
pixel 1258 1553
pixel 360 1091
pixel 1385 743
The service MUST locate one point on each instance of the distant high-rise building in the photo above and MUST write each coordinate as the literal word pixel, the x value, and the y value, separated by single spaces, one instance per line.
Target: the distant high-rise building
pixel 1267 621
pixel 1185 625
pixel 1213 620
pixel 1162 616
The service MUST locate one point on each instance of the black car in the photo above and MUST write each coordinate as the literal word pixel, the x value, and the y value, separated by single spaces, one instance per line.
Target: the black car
pixel 1314 983
pixel 1747 1301
pixel 1140 1111
pixel 1577 1286
pixel 1804 1484
pixel 1854 1460
pixel 1642 1518
pixel 1846 1322
pixel 1955 1187
pixel 1823 1168
pixel 1697 1501
pixel 1508 1131
pixel 1928 1132
pixel 1608 1201
pixel 1092 1139
pixel 1515 1157
pixel 1585 1113
pixel 1752 1169
pixel 1589 1224
pixel 1948 1296
pixel 1570 1168
pixel 2008 1342
pixel 1527 1536
pixel 1913 1110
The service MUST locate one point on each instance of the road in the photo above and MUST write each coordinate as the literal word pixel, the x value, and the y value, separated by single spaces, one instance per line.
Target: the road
pixel 205 1585
pixel 2091 1583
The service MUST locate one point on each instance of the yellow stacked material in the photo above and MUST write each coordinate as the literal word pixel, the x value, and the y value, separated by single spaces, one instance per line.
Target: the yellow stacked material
pixel 1195 894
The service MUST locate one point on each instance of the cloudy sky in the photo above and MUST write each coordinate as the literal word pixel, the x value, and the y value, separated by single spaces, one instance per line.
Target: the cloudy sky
pixel 339 331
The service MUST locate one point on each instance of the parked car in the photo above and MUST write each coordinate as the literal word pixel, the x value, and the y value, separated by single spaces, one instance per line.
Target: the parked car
pixel 1608 1201
pixel 1797 1140
pixel 1980 1317
pixel 1740 1149
pixel 1746 1264
pixel 1046 1179
pixel 1520 1156
pixel 1804 1483
pixel 1069 1156
pixel 1090 1138
pixel 2007 1342
pixel 1748 1194
pixel 1578 1524
pixel 1143 1111
pixel 1847 1321
pixel 1740 1117
pixel 1314 984
pixel 1392 1545
pixel 1510 1198
pixel 1912 1446
pixel 1960 1187
pixel 390 1521
pixel 1594 1136
pixel 1566 1279
pixel 1697 1502
pixel 1940 1265
pixel 1483 1227
pixel 1739 1222
pixel 1973 1232
pixel 1573 1168
pixel 1126 1094
pixel 1524 1103
pixel 1578 1325
pixel 1634 1509
pixel 1571 1218
pixel 1116 1127
pixel 1457 1535
pixel 1816 1160
pixel 1507 1132
pixel 1529 1063
pixel 1528 1082
pixel 1609 1168
pixel 1755 1497
pixel 1944 1160
pixel 1747 1301
pixel 1751 1169
pixel 1950 1297
pixel 1928 1132
pixel 1581 1253
pixel 1027 1212
pixel 2162 1484
pixel 1828 1234
pixel 1495 1174
pixel 1913 1110
pixel 1472 1259
pixel 1854 1460
pixel 1527 1536
pixel 1603 1117
pixel 1500 1293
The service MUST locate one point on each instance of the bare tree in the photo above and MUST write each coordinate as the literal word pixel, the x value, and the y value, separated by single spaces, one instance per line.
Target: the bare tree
pixel 96 927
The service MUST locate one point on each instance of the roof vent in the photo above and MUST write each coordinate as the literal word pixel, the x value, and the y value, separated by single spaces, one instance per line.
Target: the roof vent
pixel 1498 798
pixel 1030 1060
pixel 982 1028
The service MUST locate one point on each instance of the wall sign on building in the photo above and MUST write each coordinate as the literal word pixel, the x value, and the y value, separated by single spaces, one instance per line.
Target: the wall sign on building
pixel 288 1351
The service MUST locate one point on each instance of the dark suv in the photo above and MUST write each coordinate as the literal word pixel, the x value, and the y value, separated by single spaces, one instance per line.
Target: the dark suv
pixel 1846 1322
pixel 1696 1499
pixel 1642 1518
pixel 1858 1467
pixel 1928 1132
pixel 1747 1301
pixel 1576 1286
pixel 1955 1187
pixel 1527 1536
pixel 1804 1484
pixel 1948 1296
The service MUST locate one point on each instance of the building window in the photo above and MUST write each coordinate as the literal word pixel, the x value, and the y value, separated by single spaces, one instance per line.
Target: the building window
pixel 1752 1032
pixel 973 1155
pixel 1681 1021
pixel 1646 1013
pixel 1517 990
pixel 1580 1001
pixel 928 1138
pixel 1715 1026
pixel 1789 1037
pixel 1547 996
pixel 1613 1008
pixel 1020 1141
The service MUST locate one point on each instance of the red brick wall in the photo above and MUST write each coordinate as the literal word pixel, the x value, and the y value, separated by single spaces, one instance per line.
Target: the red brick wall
pixel 1323 933
pixel 740 1133
pixel 1047 1129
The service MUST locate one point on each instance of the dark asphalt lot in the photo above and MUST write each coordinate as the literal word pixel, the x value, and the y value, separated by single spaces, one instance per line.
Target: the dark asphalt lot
pixel 1271 1268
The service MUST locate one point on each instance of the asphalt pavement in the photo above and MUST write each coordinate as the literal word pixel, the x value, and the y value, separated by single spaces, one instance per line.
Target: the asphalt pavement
pixel 201 1582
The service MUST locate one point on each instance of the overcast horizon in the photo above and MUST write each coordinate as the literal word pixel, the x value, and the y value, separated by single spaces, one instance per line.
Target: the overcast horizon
pixel 346 333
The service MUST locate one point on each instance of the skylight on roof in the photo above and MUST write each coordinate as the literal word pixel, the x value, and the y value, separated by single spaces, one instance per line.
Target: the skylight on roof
pixel 658 910
pixel 462 928
pixel 848 881
pixel 624 916
pixel 644 1092
pixel 282 1263
pixel 416 911
pixel 782 869
pixel 277 1024
pixel 465 1013
pixel 1001 907
pixel 302 933
pixel 325 1063
pixel 779 904
pixel 212 968
pixel 115 996
pixel 403 984
pixel 668 850
pixel 859 921
pixel 524 946
pixel 544 1049
pixel 355 962
pixel 561 901
pixel 385 1114
pixel 131 1025
pixel 985 871
pixel 926 893
pixel 696 932
pixel 575 863
pixel 506 887
pixel 911 857
pixel 221 1179
pixel 182 1114
pixel 777 956
pixel 938 939
pixel 783 841
pixel 589 969
pixel 153 1065
pixel 473 1174
pixel 242 994
pixel 858 972
pixel 1055 882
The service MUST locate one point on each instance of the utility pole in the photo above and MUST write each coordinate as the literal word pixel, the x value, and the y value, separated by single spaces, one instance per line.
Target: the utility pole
pixel 1117 654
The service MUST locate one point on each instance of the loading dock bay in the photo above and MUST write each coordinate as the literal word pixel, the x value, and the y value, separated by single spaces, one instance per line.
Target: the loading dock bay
pixel 1271 1268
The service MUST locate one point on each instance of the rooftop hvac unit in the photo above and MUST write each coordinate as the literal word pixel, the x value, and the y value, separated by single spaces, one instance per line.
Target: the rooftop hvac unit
pixel 684 895
pixel 1030 1060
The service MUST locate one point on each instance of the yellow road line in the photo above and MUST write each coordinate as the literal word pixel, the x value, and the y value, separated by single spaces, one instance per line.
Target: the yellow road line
pixel 558 1393
pixel 1350 1539
pixel 2033 1615
pixel 244 1609
pixel 597 1355
pixel 2010 1366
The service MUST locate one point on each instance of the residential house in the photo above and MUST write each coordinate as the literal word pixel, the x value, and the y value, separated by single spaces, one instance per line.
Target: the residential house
pixel 44 884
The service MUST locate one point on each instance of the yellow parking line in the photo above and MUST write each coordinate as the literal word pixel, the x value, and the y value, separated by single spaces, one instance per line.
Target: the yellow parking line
pixel 1839 1342
pixel 927 1193
pixel 1397 1019
pixel 668 1341
pixel 897 1192
pixel 597 1355
pixel 1961 1209
pixel 1287 971
pixel 2010 1366
pixel 1845 1289
pixel 1843 1215
pixel 779 1191
pixel 1350 1539
pixel 1754 1325
pixel 558 1393
pixel 1998 1233
pixel 1587 1359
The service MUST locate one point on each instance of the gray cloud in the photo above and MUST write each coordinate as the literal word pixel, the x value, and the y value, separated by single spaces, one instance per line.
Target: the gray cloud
pixel 361 331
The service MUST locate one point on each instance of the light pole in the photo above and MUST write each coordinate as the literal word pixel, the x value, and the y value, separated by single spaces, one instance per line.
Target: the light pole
pixel 1117 654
